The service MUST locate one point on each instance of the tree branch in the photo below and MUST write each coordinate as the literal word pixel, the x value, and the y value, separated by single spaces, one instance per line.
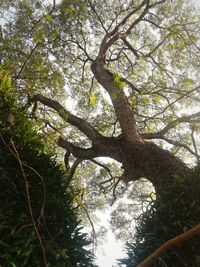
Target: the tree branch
pixel 194 143
pixel 78 152
pixel 106 78
pixel 25 62
pixel 135 52
pixel 97 15
pixel 132 86
pixel 15 153
pixel 125 19
pixel 176 122
pixel 171 125
pixel 79 123
pixel 147 6
pixel 178 240
pixel 72 170
pixel 114 35
pixel 120 102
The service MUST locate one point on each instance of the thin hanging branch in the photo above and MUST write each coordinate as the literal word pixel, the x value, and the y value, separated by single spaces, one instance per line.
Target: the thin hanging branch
pixel 16 155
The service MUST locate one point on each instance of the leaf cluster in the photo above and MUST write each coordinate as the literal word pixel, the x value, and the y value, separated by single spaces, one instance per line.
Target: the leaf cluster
pixel 51 202
pixel 171 214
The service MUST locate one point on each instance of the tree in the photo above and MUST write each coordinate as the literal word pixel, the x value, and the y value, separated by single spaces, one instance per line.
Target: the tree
pixel 39 221
pixel 143 54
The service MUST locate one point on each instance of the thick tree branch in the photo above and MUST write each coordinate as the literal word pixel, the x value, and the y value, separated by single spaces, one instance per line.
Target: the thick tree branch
pixel 172 125
pixel 77 152
pixel 79 123
pixel 178 240
pixel 176 122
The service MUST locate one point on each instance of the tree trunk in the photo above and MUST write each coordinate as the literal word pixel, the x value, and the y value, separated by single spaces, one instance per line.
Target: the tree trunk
pixel 143 160
pixel 138 157
pixel 148 160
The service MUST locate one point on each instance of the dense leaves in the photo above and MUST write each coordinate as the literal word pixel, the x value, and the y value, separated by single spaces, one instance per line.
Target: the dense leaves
pixel 131 71
pixel 31 181
pixel 168 216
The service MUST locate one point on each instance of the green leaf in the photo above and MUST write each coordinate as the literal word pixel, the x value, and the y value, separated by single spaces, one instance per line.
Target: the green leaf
pixel 69 10
pixel 187 82
pixel 49 18
pixel 93 99
pixel 170 47
pixel 12 264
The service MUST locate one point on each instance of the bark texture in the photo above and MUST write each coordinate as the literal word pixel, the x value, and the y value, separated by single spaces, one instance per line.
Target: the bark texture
pixel 139 157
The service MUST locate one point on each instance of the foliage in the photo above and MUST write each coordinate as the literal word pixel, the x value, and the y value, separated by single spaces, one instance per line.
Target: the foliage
pixel 175 212
pixel 51 203
pixel 138 196
pixel 48 48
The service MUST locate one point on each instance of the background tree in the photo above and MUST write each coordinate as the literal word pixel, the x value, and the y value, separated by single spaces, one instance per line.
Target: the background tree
pixel 132 70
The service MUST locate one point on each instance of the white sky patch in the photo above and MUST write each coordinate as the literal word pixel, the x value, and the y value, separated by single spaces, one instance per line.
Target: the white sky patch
pixel 111 249
pixel 69 103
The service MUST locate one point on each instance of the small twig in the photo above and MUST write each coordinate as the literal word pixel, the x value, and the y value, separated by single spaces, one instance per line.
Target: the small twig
pixel 29 204
pixel 114 190
pixel 43 16
pixel 97 15
pixel 73 169
pixel 91 223
pixel 24 64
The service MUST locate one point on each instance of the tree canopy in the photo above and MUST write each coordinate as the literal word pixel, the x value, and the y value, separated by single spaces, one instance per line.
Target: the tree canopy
pixel 130 70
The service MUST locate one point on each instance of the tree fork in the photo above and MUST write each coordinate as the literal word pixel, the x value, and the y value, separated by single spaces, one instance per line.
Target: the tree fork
pixel 139 158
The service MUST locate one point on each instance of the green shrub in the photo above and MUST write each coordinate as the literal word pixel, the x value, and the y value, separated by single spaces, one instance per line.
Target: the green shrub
pixel 170 215
pixel 51 203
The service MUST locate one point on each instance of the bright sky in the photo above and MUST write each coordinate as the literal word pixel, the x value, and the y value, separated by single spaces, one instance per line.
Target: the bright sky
pixel 109 252
pixel 111 249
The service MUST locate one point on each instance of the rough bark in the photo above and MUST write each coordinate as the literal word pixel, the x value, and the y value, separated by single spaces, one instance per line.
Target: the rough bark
pixel 139 158
pixel 119 99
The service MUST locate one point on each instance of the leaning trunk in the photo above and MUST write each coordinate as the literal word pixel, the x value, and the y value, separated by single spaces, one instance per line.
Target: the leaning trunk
pixel 148 160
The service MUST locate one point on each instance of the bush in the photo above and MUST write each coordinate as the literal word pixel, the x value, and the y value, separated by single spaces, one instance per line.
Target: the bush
pixel 177 210
pixel 33 186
